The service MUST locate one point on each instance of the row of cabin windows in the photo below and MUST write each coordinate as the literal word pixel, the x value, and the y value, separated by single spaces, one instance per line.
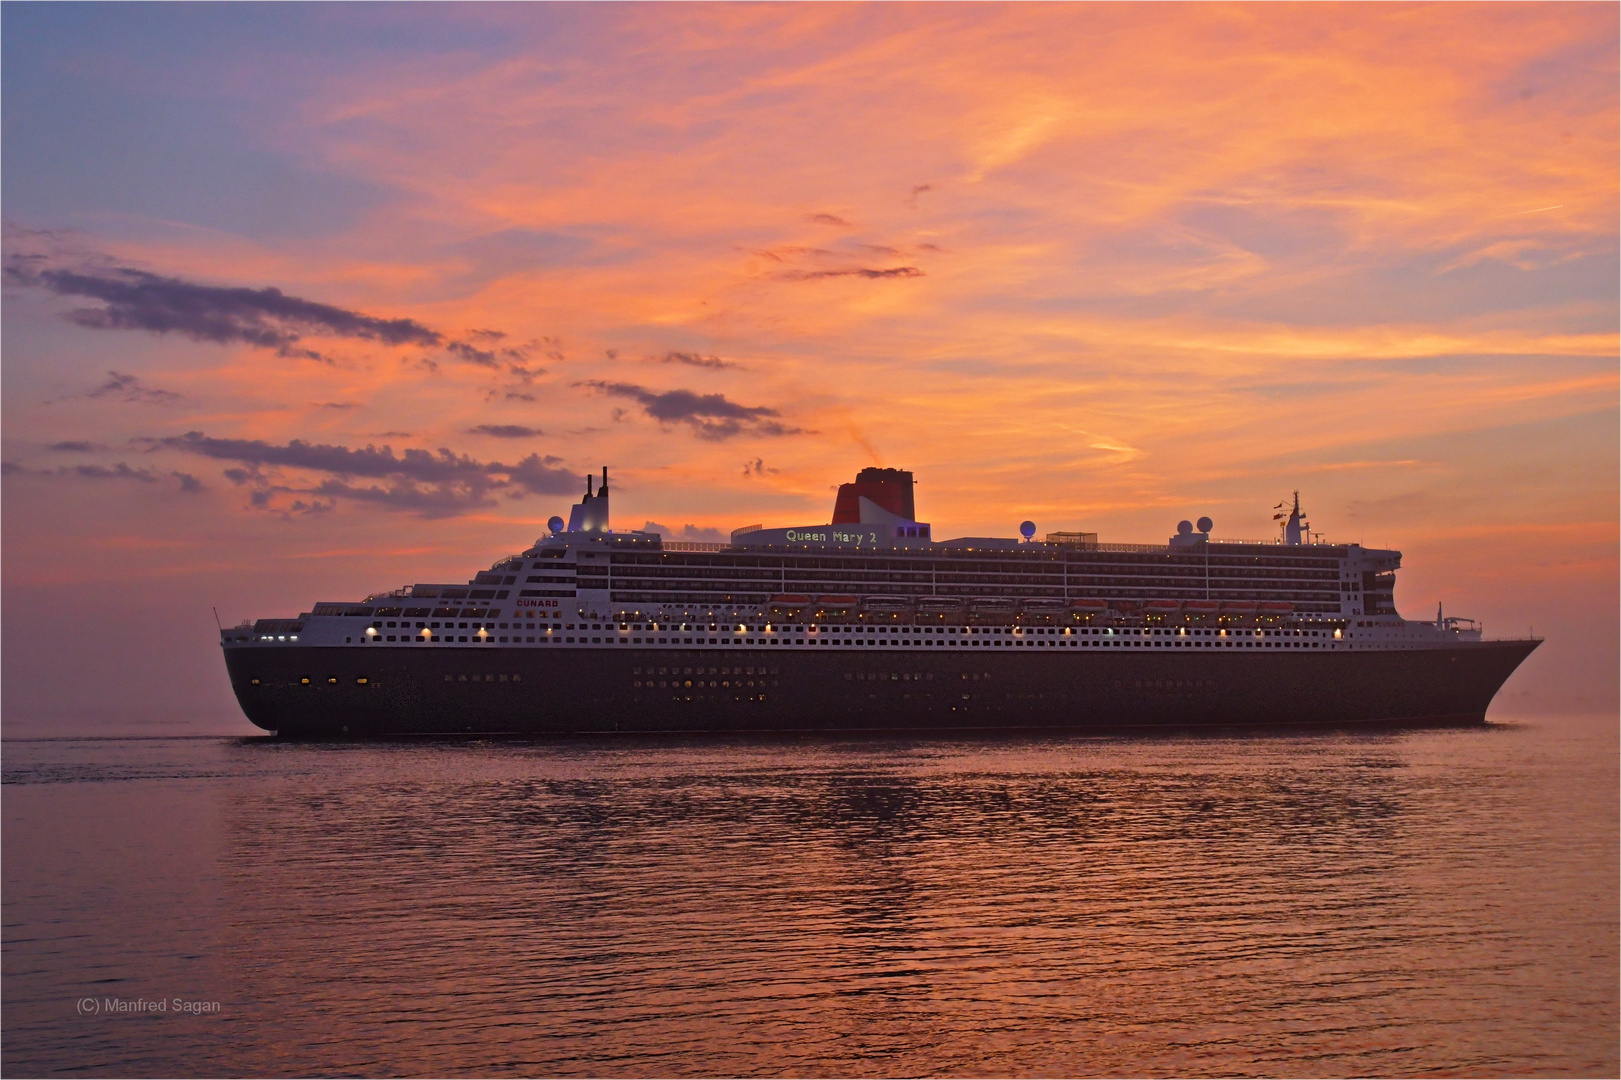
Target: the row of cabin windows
pixel 997 636
pixel 881 630
pixel 947 573
pixel 959 562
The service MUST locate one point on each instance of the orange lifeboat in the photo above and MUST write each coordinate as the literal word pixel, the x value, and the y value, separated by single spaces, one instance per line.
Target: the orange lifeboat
pixel 1202 607
pixel 1274 607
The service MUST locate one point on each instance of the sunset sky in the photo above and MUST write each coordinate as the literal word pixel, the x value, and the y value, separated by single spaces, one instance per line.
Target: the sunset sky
pixel 302 302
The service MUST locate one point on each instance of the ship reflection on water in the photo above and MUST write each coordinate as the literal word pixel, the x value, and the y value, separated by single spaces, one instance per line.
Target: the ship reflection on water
pixel 1377 903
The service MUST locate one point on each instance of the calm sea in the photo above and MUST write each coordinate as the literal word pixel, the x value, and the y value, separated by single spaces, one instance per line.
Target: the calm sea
pixel 1377 904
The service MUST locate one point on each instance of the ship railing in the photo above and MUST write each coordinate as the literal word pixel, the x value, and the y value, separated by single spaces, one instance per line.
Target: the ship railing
pixel 693 545
pixel 1224 540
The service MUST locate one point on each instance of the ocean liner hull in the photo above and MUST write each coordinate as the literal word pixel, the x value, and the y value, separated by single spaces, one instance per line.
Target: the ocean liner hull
pixel 338 692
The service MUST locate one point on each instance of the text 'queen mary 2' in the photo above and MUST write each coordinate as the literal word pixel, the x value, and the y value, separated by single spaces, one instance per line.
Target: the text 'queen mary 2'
pixel 870 624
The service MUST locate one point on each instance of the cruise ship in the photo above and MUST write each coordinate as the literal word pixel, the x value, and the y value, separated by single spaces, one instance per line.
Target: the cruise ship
pixel 870 623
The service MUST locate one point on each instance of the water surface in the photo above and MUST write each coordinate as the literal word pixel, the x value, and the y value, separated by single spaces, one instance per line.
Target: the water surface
pixel 1398 903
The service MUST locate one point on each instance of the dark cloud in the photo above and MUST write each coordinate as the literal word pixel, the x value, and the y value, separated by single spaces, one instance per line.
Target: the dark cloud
pixel 472 355
pixel 336 404
pixel 829 219
pixel 423 465
pixel 687 532
pixel 858 271
pixel 505 431
pixel 128 388
pixel 119 471
pixel 917 189
pixel 696 360
pixel 434 484
pixel 267 318
pixel 77 446
pixel 433 502
pixel 757 467
pixel 711 416
pixel 541 476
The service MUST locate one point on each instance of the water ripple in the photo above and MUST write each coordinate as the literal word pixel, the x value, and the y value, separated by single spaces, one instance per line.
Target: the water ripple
pixel 1384 904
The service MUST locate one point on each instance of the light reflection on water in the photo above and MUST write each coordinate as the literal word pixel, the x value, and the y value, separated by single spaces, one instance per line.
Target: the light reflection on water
pixel 1377 904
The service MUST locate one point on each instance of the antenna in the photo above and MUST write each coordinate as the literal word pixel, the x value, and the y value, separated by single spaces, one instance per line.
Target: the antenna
pixel 216 612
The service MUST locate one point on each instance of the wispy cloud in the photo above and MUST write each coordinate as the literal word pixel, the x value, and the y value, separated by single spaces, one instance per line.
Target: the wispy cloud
pixel 122 386
pixel 699 360
pixel 854 271
pixel 505 431
pixel 117 471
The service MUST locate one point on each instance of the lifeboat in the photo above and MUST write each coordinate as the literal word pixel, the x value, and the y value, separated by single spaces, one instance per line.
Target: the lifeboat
pixel 1089 607
pixel 1274 607
pixel 836 603
pixel 1238 607
pixel 787 604
pixel 1202 607
pixel 941 603
pixel 887 605
pixel 1044 607
pixel 1162 607
pixel 992 610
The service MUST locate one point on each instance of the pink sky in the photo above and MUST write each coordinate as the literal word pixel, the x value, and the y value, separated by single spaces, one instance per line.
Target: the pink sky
pixel 1102 266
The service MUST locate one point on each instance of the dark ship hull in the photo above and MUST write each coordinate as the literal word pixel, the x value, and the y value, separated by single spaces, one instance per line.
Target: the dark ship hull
pixel 344 692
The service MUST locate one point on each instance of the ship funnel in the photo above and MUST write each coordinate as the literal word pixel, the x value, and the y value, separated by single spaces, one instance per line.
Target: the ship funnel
pixel 888 488
pixel 591 513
